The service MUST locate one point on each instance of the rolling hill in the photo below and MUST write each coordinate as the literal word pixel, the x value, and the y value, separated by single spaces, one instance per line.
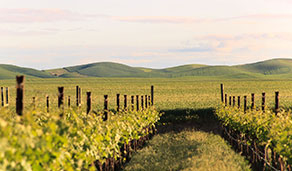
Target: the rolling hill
pixel 10 71
pixel 275 68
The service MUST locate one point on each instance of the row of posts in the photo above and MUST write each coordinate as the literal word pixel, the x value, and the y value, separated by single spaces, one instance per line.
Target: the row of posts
pixel 232 100
pixel 147 100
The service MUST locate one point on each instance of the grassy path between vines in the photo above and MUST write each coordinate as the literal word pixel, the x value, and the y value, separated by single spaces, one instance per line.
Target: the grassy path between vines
pixel 187 140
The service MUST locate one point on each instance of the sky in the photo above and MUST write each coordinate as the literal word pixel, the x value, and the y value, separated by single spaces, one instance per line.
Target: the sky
pixel 46 34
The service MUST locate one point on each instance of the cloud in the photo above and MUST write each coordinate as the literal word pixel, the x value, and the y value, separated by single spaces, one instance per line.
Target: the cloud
pixel 158 19
pixel 257 17
pixel 7 32
pixel 26 15
pixel 228 44
pixel 194 49
pixel 188 20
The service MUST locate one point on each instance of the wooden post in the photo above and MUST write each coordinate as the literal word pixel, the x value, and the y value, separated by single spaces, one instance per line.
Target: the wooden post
pixel 2 96
pixel 263 101
pixel 125 102
pixel 19 94
pixel 69 101
pixel 137 102
pixel 252 101
pixel 226 100
pixel 152 95
pixel 146 102
pixel 48 104
pixel 118 102
pixel 33 102
pixel 238 102
pixel 142 102
pixel 233 101
pixel 276 102
pixel 61 97
pixel 222 92
pixel 132 103
pixel 80 102
pixel 149 102
pixel 105 108
pixel 77 96
pixel 7 96
pixel 244 104
pixel 88 109
pixel 230 101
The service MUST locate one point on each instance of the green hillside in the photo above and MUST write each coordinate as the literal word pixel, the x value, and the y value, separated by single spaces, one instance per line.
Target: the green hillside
pixel 269 67
pixel 275 68
pixel 10 71
pixel 106 69
pixel 183 68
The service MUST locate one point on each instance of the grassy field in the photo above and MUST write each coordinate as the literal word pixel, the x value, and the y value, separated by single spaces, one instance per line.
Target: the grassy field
pixel 187 103
pixel 179 93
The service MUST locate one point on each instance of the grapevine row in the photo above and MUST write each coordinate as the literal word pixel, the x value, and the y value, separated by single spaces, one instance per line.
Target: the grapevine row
pixel 263 135
pixel 69 139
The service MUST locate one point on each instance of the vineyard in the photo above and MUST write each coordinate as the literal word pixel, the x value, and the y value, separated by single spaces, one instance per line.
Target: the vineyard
pixel 96 127
pixel 35 138
pixel 262 134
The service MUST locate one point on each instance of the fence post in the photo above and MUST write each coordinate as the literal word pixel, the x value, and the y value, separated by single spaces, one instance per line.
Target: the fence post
pixel 222 93
pixel 132 103
pixel 233 101
pixel 118 102
pixel 61 97
pixel 149 102
pixel 69 101
pixel 48 104
pixel 238 102
pixel 226 100
pixel 142 102
pixel 19 94
pixel 77 96
pixel 33 102
pixel 276 102
pixel 146 102
pixel 244 104
pixel 125 102
pixel 80 102
pixel 105 108
pixel 263 101
pixel 152 95
pixel 2 96
pixel 252 101
pixel 7 96
pixel 230 101
pixel 88 109
pixel 137 102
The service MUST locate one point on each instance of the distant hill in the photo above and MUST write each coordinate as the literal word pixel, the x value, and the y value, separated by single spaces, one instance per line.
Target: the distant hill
pixel 269 67
pixel 10 71
pixel 275 68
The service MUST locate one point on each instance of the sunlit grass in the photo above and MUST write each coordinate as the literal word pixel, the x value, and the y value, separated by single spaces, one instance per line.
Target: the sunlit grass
pixel 187 150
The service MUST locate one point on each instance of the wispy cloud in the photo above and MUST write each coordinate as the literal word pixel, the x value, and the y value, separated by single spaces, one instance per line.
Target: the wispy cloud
pixel 26 15
pixel 188 20
pixel 234 43
pixel 258 17
pixel 24 32
pixel 158 19
pixel 194 49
